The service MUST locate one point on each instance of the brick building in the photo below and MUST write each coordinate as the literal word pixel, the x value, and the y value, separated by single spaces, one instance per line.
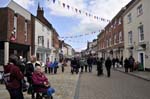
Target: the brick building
pixel 15 31
pixel 111 39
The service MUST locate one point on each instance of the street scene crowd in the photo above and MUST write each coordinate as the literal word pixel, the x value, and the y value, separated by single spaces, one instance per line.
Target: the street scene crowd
pixel 21 76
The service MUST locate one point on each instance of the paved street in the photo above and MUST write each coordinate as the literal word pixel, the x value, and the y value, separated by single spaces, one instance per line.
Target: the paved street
pixel 118 86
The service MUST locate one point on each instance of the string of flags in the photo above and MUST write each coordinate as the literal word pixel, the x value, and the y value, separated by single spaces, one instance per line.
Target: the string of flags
pixel 75 41
pixel 76 36
pixel 64 5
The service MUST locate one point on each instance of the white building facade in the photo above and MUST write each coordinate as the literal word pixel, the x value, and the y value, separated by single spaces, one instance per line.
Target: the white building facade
pixel 43 41
pixel 136 32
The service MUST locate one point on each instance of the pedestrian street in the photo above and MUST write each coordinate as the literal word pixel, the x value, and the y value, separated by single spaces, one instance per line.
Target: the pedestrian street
pixel 119 86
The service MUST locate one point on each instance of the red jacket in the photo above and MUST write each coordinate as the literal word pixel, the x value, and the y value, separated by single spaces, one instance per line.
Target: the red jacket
pixel 38 81
pixel 12 76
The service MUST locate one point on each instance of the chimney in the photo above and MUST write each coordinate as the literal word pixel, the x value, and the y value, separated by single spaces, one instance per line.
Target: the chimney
pixel 40 11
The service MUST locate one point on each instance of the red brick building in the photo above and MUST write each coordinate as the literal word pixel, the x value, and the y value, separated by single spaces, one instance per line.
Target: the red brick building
pixel 111 39
pixel 15 31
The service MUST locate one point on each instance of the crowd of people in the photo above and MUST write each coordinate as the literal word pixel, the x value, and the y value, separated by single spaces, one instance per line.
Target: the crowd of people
pixel 18 73
pixel 87 63
pixel 17 70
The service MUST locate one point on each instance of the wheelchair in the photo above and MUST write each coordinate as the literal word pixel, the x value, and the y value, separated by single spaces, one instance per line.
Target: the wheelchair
pixel 41 94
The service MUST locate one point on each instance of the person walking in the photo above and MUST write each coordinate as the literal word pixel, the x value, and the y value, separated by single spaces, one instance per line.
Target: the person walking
pixel 82 64
pixel 90 61
pixel 30 67
pixel 113 62
pixel 108 64
pixel 13 77
pixel 131 63
pixel 55 65
pixel 126 64
pixel 99 66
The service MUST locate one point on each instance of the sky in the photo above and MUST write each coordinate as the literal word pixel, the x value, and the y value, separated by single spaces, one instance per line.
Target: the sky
pixel 75 28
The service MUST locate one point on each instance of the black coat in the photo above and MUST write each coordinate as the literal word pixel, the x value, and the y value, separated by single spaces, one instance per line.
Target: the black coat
pixel 29 71
pixel 108 63
pixel 126 63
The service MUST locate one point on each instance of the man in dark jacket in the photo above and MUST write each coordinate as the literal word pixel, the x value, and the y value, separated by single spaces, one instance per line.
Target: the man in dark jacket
pixel 99 67
pixel 13 77
pixel 126 64
pixel 30 66
pixel 90 62
pixel 108 66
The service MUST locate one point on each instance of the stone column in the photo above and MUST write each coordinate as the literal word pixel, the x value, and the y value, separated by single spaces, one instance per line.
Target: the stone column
pixel 6 52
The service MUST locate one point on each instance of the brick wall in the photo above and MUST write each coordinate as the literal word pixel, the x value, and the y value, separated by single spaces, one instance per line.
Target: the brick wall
pixel 20 28
pixel 3 24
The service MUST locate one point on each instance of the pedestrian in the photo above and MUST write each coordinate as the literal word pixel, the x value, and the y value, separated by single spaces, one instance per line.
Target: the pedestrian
pixel 126 64
pixel 30 67
pixel 63 64
pixel 86 65
pixel 113 62
pixel 55 65
pixel 13 77
pixel 82 64
pixel 47 65
pixel 131 63
pixel 74 66
pixel 108 64
pixel 90 62
pixel 99 67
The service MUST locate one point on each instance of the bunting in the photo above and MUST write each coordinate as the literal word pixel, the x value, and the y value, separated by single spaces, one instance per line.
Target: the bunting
pixel 81 35
pixel 53 1
pixel 64 5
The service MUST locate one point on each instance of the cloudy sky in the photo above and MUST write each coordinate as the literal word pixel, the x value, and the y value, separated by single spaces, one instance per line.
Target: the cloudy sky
pixel 69 23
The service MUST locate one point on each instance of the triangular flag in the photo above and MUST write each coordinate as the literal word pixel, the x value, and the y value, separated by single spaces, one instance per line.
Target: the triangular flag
pixel 80 11
pixel 86 13
pixel 63 5
pixel 53 1
pixel 76 9
pixel 68 6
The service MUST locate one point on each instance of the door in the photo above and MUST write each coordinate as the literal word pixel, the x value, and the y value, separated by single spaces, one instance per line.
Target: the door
pixel 141 60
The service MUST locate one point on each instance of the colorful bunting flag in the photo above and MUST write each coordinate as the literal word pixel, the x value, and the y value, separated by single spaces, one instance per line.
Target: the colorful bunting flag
pixel 77 10
pixel 68 6
pixel 63 5
pixel 53 1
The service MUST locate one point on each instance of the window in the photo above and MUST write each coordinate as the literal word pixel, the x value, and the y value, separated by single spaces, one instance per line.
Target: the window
pixel 120 37
pixel 109 29
pixel 110 41
pixel 26 31
pixel 139 10
pixel 141 33
pixel 130 38
pixel 42 27
pixel 41 40
pixel 107 42
pixel 114 39
pixel 119 21
pixel 47 43
pixel 47 31
pixel 129 18
pixel 15 26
